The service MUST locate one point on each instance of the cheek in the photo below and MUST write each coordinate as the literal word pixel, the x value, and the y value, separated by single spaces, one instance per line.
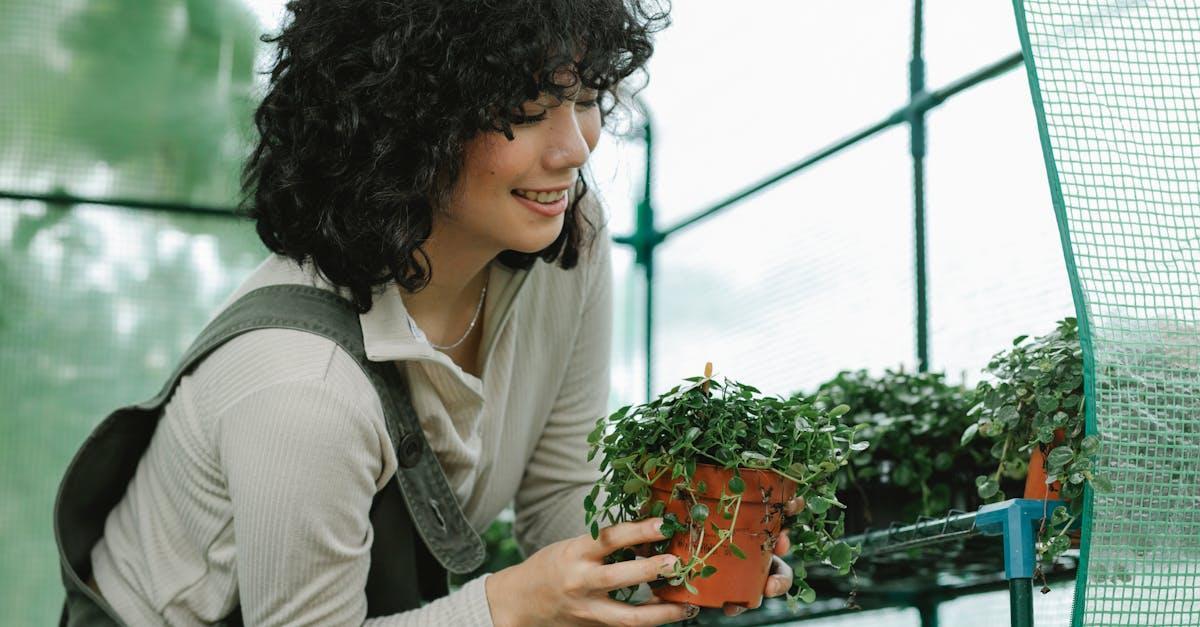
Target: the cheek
pixel 590 127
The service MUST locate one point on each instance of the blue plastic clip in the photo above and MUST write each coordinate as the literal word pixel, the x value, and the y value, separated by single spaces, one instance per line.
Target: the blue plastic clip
pixel 1015 519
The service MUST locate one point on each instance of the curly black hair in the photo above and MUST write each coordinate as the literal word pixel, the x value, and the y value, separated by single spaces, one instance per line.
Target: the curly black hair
pixel 370 104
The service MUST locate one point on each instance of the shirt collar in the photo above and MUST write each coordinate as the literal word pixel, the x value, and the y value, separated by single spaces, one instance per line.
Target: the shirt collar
pixel 388 336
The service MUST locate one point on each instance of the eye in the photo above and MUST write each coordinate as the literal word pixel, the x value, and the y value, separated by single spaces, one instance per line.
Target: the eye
pixel 587 104
pixel 524 119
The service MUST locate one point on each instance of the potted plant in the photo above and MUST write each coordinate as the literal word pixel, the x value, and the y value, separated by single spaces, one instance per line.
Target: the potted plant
pixel 1032 408
pixel 718 461
pixel 915 465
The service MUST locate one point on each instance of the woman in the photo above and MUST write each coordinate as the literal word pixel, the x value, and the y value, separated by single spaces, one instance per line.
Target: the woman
pixel 424 160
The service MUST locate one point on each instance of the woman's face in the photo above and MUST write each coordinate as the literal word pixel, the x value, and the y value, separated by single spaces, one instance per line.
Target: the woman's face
pixel 511 195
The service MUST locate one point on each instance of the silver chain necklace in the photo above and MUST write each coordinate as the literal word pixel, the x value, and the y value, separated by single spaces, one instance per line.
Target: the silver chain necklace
pixel 475 319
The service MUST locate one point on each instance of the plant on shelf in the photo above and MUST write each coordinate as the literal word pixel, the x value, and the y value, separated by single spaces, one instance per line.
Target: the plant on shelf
pixel 718 461
pixel 1032 408
pixel 915 465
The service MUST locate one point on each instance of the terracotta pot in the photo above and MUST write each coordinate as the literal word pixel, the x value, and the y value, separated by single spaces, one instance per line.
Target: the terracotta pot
pixel 1035 479
pixel 755 531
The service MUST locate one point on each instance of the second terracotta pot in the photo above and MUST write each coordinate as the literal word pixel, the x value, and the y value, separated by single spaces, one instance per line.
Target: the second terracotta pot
pixel 1035 480
pixel 755 532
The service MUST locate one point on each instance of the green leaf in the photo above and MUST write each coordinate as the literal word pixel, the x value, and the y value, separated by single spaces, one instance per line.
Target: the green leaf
pixel 969 433
pixel 860 446
pixel 736 551
pixel 839 411
pixel 1059 457
pixel 699 512
pixel 690 587
pixel 840 556
pixel 708 571
pixel 1102 483
pixel 633 484
pixel 594 436
pixel 1047 403
pixel 736 485
pixel 806 594
pixel 818 504
pixel 987 486
pixel 670 525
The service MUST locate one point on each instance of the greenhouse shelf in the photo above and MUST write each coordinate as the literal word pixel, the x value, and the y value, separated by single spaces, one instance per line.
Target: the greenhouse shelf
pixel 923 564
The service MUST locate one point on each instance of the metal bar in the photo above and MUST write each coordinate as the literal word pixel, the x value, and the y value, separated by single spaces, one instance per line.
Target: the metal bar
pixel 649 266
pixel 927 609
pixel 1020 602
pixel 790 170
pixel 60 198
pixel 916 120
pixel 648 240
pixel 644 241
pixel 774 611
pixel 927 101
pixel 974 78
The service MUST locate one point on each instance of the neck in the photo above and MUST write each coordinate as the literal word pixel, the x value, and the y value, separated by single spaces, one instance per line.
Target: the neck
pixel 444 308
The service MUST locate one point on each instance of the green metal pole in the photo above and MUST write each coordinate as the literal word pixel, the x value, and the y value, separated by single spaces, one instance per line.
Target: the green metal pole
pixel 927 101
pixel 916 119
pixel 62 198
pixel 647 237
pixel 1020 601
pixel 647 240
pixel 927 609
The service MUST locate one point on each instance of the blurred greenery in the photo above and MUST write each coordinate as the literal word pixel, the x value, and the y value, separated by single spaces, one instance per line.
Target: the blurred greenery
pixel 98 303
pixel 915 465
pixel 146 99
pixel 142 99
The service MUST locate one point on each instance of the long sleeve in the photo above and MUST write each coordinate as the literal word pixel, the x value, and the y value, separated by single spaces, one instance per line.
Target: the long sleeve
pixel 549 501
pixel 303 465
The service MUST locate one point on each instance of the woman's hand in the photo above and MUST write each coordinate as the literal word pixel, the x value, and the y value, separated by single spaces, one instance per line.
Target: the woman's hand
pixel 780 579
pixel 567 583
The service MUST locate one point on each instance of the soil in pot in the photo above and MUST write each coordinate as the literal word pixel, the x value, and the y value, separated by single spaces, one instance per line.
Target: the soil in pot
pixel 755 531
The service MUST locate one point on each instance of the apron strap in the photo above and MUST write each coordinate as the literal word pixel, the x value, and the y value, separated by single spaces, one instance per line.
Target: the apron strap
pixel 438 515
pixel 97 476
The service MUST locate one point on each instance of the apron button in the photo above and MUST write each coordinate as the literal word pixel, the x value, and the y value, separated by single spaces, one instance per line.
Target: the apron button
pixel 410 450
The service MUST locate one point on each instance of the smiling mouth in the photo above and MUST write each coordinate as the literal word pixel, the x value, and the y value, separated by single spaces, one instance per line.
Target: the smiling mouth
pixel 545 198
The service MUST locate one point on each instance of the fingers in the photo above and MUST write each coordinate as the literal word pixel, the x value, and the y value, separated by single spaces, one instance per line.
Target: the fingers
pixel 780 580
pixel 616 613
pixel 633 572
pixel 622 535
pixel 732 609
pixel 794 506
pixel 783 544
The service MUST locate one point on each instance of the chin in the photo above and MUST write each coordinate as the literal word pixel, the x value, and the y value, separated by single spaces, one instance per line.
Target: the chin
pixel 535 240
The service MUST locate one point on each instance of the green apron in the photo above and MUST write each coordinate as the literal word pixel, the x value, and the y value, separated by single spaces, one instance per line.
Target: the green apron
pixel 420 529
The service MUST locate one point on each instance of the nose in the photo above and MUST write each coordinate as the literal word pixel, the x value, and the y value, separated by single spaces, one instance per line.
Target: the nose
pixel 568 146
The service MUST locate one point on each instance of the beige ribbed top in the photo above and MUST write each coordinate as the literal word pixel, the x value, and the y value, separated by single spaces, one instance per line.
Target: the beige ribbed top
pixel 257 485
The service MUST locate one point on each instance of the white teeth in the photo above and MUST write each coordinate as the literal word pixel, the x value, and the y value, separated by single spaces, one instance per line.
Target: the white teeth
pixel 543 197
